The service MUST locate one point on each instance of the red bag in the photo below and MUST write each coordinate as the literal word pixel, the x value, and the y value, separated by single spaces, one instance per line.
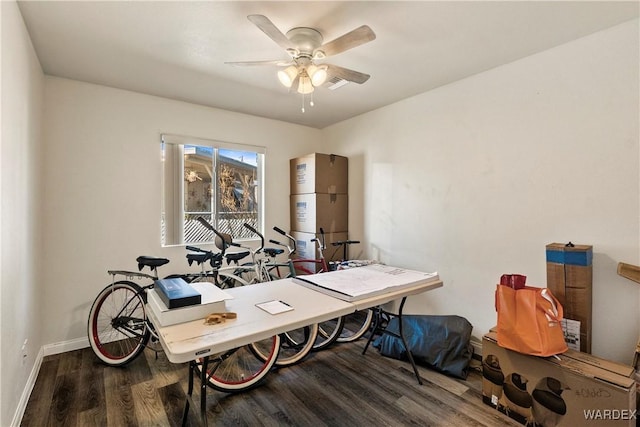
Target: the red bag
pixel 529 321
pixel 515 281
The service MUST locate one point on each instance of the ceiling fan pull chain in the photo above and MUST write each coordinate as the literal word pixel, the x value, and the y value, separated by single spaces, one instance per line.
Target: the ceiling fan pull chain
pixel 311 104
pixel 303 102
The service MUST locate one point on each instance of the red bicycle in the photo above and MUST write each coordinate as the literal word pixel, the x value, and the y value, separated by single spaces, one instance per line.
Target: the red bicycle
pixel 343 329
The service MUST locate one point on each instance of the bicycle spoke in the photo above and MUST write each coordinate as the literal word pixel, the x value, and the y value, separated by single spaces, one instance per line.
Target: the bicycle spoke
pixel 117 323
pixel 239 369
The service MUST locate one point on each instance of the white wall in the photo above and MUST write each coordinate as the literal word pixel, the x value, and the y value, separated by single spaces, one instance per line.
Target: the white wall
pixel 20 188
pixel 474 179
pixel 102 185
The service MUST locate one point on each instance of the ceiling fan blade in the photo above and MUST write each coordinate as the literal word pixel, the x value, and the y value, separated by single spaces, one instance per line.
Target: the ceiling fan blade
pixel 348 41
pixel 271 30
pixel 347 74
pixel 278 62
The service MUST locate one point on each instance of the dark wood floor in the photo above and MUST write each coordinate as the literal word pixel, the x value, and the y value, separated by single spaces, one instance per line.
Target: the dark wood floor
pixel 334 387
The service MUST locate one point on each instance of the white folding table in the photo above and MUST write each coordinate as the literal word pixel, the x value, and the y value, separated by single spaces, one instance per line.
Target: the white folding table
pixel 186 342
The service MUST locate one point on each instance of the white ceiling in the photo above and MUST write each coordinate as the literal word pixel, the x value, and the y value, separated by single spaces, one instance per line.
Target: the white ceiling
pixel 178 49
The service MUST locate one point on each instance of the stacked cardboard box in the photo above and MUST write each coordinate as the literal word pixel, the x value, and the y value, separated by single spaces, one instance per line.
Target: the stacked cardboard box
pixel 569 277
pixel 319 199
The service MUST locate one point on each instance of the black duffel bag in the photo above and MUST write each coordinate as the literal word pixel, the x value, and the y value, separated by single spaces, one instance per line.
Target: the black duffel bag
pixel 440 342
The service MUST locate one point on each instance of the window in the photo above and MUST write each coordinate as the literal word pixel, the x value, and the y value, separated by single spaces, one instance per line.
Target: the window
pixel 218 181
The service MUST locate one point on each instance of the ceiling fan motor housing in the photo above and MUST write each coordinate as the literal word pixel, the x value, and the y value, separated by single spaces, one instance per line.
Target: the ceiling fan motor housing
pixel 306 40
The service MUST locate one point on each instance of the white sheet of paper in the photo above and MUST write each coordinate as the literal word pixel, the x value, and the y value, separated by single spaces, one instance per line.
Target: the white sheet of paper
pixel 274 307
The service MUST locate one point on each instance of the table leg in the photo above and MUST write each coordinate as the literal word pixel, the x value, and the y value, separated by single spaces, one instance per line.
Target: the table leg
pixel 203 392
pixel 377 327
pixel 374 328
pixel 404 341
pixel 187 400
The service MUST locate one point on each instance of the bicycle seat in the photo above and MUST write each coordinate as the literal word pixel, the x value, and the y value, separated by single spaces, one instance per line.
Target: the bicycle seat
pixel 272 252
pixel 151 262
pixel 236 256
pixel 227 241
pixel 198 258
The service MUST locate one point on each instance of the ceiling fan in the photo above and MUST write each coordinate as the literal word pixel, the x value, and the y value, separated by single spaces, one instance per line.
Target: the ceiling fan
pixel 305 46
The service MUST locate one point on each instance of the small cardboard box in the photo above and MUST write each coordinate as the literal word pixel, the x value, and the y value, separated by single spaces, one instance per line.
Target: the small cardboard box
pixel 176 293
pixel 319 173
pixel 574 389
pixel 574 255
pixel 309 212
pixel 306 249
pixel 570 277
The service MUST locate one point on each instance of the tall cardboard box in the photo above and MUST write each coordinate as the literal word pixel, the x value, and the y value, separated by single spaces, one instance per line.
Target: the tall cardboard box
pixel 306 249
pixel 319 173
pixel 574 389
pixel 570 277
pixel 309 212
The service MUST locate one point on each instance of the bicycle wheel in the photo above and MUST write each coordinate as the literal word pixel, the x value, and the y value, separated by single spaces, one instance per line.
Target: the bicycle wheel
pixel 247 272
pixel 239 369
pixel 279 271
pixel 228 278
pixel 226 282
pixel 117 326
pixel 308 266
pixel 356 325
pixel 328 333
pixel 295 345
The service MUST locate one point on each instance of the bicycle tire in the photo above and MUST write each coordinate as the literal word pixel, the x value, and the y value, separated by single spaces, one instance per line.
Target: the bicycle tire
pixel 355 325
pixel 238 369
pixel 226 282
pixel 279 271
pixel 226 279
pixel 247 273
pixel 295 345
pixel 328 333
pixel 303 266
pixel 117 325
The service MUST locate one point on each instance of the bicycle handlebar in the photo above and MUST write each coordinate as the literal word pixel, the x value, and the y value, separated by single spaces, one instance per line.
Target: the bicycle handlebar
pixel 194 249
pixel 291 239
pixel 345 242
pixel 253 230
pixel 323 246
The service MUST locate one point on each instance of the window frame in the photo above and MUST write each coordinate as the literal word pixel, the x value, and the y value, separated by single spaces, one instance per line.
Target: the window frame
pixel 173 210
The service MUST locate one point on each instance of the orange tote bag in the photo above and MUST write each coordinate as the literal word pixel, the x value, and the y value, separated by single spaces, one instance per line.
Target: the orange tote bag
pixel 529 321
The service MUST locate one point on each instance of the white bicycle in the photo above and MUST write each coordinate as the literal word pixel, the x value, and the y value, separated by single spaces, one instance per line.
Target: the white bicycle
pixel 295 345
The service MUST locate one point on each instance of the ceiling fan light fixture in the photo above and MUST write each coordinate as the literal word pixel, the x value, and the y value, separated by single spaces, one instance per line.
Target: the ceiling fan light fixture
pixel 293 52
pixel 288 75
pixel 318 74
pixel 304 85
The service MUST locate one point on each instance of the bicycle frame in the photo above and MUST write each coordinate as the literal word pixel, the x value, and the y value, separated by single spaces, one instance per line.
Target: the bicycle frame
pixel 133 276
pixel 319 264
pixel 288 266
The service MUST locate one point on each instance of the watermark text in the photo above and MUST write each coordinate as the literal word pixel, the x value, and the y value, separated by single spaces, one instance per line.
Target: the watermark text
pixel 610 414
